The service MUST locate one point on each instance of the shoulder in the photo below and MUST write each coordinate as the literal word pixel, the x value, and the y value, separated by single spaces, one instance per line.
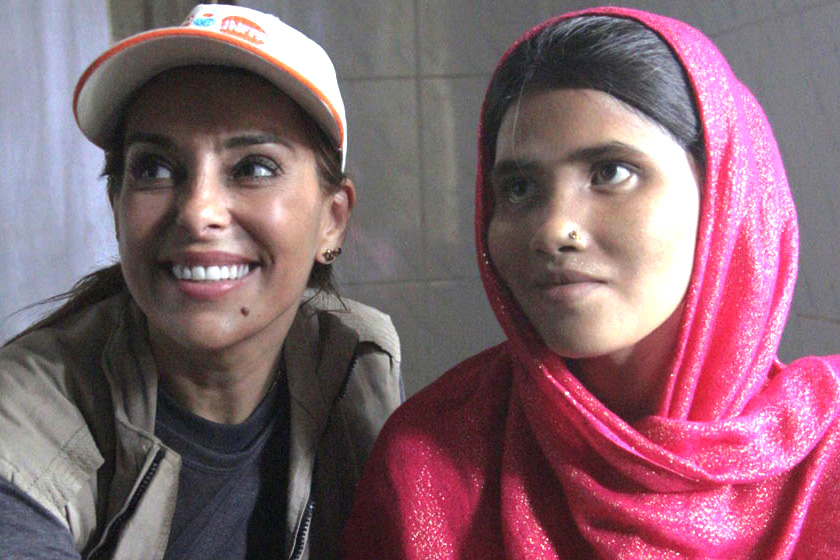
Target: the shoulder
pixel 341 351
pixel 432 457
pixel 467 388
pixel 49 384
pixel 60 361
pixel 370 324
pixel 79 337
pixel 371 382
pixel 461 413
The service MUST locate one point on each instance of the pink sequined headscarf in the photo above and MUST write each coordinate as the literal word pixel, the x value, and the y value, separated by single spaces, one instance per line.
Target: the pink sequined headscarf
pixel 508 455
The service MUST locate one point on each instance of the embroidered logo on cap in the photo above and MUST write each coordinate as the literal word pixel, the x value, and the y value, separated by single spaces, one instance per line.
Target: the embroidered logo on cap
pixel 243 28
pixel 204 20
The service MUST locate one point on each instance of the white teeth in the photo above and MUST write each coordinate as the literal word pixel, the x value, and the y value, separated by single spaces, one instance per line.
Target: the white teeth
pixel 210 273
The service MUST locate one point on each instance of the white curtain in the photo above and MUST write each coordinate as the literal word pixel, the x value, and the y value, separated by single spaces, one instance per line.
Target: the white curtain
pixel 133 16
pixel 55 223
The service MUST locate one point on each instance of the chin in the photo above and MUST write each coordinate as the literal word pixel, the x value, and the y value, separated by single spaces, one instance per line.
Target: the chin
pixel 200 333
pixel 575 345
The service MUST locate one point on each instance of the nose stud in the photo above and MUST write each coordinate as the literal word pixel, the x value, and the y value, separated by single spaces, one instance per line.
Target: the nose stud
pixel 575 235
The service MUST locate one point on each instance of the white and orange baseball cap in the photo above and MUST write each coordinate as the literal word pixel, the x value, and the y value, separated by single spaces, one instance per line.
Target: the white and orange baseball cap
pixel 213 34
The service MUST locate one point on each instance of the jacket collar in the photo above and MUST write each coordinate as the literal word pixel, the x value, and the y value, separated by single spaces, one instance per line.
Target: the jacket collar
pixel 318 351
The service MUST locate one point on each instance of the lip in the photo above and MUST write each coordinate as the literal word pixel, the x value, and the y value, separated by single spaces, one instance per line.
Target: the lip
pixel 563 276
pixel 204 290
pixel 567 286
pixel 207 258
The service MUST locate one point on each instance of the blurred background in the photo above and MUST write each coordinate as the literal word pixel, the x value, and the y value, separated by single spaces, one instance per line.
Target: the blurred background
pixel 413 73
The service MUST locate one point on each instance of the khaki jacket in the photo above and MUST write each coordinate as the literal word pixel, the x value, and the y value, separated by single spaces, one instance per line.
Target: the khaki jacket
pixel 77 418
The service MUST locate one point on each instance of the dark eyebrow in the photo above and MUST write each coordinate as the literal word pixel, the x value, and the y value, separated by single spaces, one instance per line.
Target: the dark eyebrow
pixel 613 149
pixel 149 138
pixel 255 139
pixel 607 150
pixel 512 167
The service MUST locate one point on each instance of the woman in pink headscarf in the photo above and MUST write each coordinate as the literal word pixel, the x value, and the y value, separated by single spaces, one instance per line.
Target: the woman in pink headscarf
pixel 638 243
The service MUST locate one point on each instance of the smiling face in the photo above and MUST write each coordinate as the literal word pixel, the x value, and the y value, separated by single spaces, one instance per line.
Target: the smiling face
pixel 595 213
pixel 220 215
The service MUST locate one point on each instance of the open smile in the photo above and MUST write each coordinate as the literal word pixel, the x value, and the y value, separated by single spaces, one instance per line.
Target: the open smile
pixel 209 275
pixel 209 266
pixel 213 273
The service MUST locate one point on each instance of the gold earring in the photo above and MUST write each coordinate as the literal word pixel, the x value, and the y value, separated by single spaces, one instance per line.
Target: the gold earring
pixel 331 254
pixel 575 235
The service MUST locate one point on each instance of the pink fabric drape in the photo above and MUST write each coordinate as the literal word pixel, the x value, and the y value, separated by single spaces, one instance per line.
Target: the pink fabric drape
pixel 508 455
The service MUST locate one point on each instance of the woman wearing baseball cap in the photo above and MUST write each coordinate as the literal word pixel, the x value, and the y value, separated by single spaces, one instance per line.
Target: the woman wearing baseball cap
pixel 194 401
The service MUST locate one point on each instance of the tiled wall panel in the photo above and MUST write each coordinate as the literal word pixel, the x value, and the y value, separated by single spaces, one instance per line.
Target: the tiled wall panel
pixel 386 232
pixel 449 109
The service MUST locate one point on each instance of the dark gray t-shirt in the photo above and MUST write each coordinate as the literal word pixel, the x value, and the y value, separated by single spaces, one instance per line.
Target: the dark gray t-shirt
pixel 231 497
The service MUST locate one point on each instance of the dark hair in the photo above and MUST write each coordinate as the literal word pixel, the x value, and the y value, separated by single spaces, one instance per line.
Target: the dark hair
pixel 618 56
pixel 108 281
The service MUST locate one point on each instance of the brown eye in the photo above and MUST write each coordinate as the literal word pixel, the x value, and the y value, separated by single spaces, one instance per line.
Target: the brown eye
pixel 519 190
pixel 610 173
pixel 154 172
pixel 150 170
pixel 256 168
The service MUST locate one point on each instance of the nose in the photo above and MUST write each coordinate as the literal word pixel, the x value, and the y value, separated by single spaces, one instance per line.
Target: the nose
pixel 559 226
pixel 203 203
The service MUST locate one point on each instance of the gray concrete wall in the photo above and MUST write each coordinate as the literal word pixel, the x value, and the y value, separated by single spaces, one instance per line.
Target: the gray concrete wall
pixel 413 73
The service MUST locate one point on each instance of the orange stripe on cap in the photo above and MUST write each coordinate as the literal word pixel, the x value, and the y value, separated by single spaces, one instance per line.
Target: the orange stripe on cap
pixel 225 38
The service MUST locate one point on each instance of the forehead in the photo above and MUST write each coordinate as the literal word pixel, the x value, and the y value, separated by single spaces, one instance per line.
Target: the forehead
pixel 545 120
pixel 212 98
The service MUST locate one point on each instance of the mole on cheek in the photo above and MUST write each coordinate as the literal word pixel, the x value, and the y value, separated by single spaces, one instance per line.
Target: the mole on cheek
pixel 244 311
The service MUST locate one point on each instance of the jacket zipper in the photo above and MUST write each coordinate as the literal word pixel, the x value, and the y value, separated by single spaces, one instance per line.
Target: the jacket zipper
pixel 303 531
pixel 116 525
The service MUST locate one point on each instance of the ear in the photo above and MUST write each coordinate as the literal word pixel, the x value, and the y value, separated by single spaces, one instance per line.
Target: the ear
pixel 339 206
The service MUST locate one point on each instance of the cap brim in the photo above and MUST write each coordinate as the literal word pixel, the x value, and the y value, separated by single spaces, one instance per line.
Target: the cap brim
pixel 110 81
